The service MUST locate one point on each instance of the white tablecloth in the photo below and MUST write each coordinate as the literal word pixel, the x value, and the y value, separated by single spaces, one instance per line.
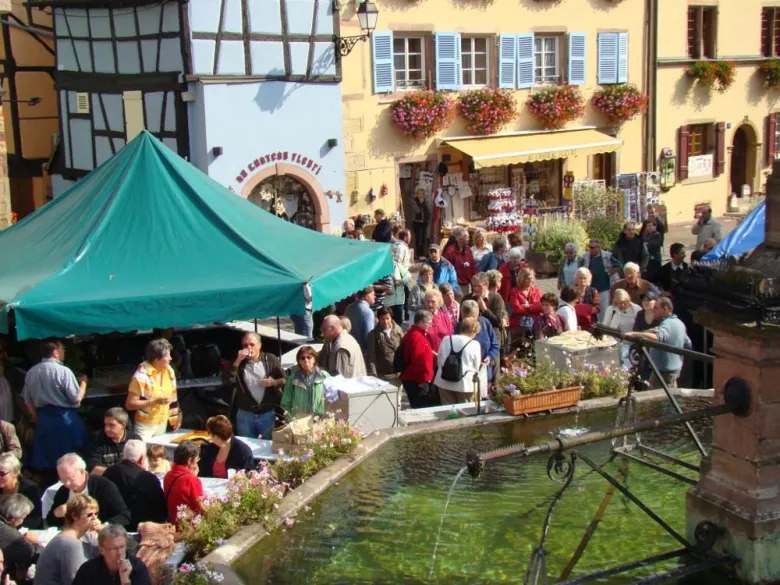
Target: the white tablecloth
pixel 261 449
pixel 212 486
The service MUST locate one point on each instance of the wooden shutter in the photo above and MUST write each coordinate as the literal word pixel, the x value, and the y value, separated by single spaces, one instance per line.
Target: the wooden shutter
pixel 607 58
pixel 693 45
pixel 622 60
pixel 709 27
pixel 526 66
pixel 507 60
pixel 771 130
pixel 448 61
pixel 682 153
pixel 720 148
pixel 382 52
pixel 766 32
pixel 577 53
pixel 774 28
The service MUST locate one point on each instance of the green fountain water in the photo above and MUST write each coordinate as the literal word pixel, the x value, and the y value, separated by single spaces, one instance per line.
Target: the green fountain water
pixel 379 525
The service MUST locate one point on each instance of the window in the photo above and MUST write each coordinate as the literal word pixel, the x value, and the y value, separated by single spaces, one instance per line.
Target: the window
pixel 777 141
pixel 547 59
pixel 474 59
pixel 699 139
pixel 409 61
pixel 701 32
pixel 770 32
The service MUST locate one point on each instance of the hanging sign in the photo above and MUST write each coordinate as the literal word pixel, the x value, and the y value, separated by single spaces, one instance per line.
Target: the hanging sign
pixel 275 157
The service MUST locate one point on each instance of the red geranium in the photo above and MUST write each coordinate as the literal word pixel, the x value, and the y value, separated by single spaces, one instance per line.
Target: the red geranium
pixel 620 103
pixel 487 110
pixel 556 106
pixel 421 114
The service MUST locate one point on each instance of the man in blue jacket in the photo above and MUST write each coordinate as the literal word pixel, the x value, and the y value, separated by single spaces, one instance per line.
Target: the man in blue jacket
pixel 443 270
pixel 362 317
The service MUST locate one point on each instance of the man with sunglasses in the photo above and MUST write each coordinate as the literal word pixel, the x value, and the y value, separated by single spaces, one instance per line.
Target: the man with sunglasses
pixel 259 381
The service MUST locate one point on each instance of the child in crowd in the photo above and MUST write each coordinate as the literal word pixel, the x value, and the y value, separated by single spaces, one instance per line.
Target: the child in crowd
pixel 566 310
pixel 155 454
pixel 549 324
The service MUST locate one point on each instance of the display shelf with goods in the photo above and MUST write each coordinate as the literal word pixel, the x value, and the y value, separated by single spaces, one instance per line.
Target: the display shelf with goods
pixel 501 207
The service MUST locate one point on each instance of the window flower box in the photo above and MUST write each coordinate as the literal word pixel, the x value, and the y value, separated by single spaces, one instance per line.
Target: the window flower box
pixel 713 74
pixel 620 103
pixel 421 114
pixel 542 401
pixel 770 71
pixel 487 110
pixel 555 107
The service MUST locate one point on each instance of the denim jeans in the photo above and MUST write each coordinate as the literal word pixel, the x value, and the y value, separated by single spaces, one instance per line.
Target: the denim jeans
pixel 256 425
pixel 304 325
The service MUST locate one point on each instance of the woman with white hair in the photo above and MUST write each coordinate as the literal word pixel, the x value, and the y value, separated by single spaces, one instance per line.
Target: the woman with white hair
pixel 621 315
pixel 510 272
pixel 570 263
pixel 13 482
pixel 19 552
pixel 588 305
pixel 480 247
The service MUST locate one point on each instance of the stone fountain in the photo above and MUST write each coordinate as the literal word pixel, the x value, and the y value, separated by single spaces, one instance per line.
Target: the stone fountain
pixel 739 486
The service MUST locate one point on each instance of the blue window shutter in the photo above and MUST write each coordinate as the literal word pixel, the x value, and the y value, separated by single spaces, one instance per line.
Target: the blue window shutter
pixel 382 49
pixel 507 59
pixel 448 60
pixel 608 50
pixel 577 50
pixel 525 60
pixel 622 61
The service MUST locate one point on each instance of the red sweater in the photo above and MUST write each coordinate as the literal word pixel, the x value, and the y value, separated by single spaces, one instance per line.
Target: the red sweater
pixel 440 328
pixel 418 357
pixel 506 281
pixel 181 486
pixel 460 260
pixel 518 298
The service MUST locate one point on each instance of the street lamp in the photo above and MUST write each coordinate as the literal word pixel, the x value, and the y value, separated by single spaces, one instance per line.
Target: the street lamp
pixel 367 14
pixel 33 101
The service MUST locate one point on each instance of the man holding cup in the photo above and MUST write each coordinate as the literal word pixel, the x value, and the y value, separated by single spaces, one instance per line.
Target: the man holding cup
pixel 259 381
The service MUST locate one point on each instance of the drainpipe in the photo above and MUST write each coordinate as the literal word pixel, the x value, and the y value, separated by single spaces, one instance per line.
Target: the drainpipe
pixel 651 127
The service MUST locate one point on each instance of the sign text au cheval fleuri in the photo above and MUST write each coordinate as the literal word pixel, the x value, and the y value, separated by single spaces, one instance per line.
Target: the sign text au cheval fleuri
pixel 275 157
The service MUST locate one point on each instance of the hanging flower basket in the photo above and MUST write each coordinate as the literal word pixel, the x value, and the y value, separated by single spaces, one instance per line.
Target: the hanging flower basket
pixel 556 106
pixel 421 114
pixel 770 71
pixel 715 74
pixel 620 103
pixel 542 401
pixel 487 110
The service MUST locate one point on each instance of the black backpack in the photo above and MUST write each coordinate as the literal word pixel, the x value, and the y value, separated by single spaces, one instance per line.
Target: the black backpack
pixel 399 361
pixel 452 368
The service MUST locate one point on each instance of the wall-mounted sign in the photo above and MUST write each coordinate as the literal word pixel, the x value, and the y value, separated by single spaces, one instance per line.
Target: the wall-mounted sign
pixel 700 166
pixel 275 157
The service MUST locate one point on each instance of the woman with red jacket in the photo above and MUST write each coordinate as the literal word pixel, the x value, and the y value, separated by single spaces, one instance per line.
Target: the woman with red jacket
pixel 462 258
pixel 510 272
pixel 525 299
pixel 182 485
pixel 441 325
pixel 417 373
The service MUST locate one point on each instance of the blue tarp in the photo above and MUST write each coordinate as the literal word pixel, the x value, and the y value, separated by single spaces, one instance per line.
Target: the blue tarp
pixel 744 238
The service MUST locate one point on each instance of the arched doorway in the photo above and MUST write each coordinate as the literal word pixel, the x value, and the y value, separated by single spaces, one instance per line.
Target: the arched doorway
pixel 743 159
pixel 286 197
pixel 290 178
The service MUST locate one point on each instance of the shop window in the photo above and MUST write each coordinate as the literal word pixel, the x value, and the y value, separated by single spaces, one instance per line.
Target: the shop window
pixel 474 60
pixel 409 62
pixel 702 32
pixel 701 150
pixel 603 168
pixel 699 140
pixel 770 32
pixel 547 59
pixel 287 198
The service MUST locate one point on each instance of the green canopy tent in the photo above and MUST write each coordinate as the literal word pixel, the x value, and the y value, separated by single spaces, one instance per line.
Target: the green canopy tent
pixel 147 240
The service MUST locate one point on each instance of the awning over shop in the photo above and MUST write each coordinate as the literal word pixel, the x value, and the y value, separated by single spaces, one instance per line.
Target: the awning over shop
pixel 147 240
pixel 508 150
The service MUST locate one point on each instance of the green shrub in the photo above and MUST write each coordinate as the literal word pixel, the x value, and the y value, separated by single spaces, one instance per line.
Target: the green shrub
pixel 594 200
pixel 605 229
pixel 553 236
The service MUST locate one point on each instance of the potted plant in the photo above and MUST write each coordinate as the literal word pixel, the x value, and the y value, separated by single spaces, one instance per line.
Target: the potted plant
pixel 714 74
pixel 421 114
pixel 487 110
pixel 620 103
pixel 555 107
pixel 527 390
pixel 770 71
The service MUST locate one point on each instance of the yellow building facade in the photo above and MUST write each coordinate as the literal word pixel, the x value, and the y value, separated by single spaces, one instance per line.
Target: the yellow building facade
pixel 27 58
pixel 587 43
pixel 719 142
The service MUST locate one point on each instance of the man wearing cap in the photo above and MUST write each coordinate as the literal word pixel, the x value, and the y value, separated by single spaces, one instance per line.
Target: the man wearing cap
pixel 443 270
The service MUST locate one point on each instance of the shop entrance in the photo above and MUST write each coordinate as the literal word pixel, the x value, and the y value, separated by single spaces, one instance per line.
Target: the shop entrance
pixel 743 149
pixel 413 177
pixel 285 197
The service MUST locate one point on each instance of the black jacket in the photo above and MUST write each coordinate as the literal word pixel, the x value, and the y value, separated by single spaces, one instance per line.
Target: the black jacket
pixel 105 452
pixel 383 231
pixel 142 492
pixel 625 251
pixel 112 507
pixel 273 396
pixel 95 572
pixel 29 489
pixel 239 457
pixel 18 553
pixel 668 279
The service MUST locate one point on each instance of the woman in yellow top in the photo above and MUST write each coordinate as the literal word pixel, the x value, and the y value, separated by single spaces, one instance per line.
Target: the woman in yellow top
pixel 152 392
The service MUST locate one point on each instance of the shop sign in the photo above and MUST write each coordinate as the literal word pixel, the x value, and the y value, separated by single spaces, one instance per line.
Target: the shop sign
pixel 281 156
pixel 700 166
pixel 546 155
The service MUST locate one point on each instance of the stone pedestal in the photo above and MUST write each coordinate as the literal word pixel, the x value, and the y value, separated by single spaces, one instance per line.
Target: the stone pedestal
pixel 739 487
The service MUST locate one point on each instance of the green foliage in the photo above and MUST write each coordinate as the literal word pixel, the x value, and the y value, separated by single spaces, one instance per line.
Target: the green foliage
pixel 597 380
pixel 593 200
pixel 719 75
pixel 770 71
pixel 554 235
pixel 605 229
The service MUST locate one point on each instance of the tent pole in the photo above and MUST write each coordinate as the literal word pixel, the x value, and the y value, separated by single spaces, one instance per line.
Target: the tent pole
pixel 255 324
pixel 279 336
